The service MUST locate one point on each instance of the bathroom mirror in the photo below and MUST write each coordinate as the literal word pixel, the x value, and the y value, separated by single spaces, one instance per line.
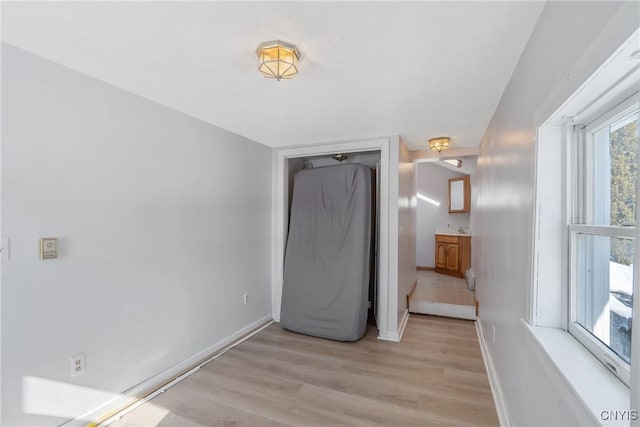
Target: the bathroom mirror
pixel 459 195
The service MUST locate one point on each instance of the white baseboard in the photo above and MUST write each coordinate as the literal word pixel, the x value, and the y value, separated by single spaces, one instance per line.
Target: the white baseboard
pixel 386 336
pixel 442 309
pixel 113 408
pixel 395 336
pixel 494 383
pixel 403 324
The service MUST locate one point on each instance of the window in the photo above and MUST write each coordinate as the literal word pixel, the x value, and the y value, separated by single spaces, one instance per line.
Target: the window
pixel 604 174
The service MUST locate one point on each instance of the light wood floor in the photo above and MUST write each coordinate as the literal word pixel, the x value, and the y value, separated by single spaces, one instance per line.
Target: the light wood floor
pixel 434 377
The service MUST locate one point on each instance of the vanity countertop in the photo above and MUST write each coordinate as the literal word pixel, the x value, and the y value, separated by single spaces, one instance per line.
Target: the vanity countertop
pixel 453 232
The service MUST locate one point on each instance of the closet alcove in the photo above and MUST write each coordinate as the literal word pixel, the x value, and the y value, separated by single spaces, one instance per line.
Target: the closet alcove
pixel 331 166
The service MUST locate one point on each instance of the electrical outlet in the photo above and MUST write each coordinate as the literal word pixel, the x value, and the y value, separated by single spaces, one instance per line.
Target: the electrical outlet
pixel 246 298
pixel 493 334
pixel 77 365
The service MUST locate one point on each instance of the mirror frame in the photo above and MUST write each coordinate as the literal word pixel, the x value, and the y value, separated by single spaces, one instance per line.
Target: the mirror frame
pixel 466 186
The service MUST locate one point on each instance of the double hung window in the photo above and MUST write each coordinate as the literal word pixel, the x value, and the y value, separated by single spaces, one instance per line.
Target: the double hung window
pixel 604 180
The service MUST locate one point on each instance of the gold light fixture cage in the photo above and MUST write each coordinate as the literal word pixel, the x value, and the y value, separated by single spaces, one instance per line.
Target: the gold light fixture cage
pixel 340 157
pixel 278 60
pixel 439 144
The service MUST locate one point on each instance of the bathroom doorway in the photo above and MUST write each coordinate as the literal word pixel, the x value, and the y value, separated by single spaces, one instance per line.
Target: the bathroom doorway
pixel 446 282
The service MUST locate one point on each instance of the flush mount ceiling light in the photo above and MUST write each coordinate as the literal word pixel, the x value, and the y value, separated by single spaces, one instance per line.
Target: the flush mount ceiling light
pixel 340 157
pixel 439 144
pixel 278 60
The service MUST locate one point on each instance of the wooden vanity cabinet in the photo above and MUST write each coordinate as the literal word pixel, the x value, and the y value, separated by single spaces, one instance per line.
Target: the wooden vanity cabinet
pixel 453 254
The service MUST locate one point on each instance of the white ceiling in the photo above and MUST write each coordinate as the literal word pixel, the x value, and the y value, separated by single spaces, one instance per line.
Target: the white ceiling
pixel 418 69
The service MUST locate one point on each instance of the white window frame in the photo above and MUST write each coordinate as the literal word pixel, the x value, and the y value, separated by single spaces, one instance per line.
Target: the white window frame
pixel 588 383
pixel 578 202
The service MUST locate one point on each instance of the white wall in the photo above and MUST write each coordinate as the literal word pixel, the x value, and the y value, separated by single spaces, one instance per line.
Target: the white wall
pixel 433 181
pixel 406 228
pixel 570 41
pixel 164 222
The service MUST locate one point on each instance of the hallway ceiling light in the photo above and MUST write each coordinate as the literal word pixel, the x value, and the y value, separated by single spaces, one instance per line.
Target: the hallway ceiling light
pixel 439 144
pixel 278 60
pixel 340 157
pixel 454 162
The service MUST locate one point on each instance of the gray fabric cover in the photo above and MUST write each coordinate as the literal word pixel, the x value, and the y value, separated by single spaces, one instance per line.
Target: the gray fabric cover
pixel 326 269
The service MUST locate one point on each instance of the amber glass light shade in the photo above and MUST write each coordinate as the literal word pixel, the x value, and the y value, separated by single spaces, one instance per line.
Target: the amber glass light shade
pixel 439 144
pixel 278 60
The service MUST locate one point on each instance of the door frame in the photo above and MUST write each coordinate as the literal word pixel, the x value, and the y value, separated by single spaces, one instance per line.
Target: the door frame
pixel 385 306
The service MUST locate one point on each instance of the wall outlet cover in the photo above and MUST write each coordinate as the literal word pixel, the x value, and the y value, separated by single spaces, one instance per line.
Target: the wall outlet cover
pixel 77 365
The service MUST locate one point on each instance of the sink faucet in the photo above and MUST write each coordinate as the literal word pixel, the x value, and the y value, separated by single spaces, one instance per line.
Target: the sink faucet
pixel 460 230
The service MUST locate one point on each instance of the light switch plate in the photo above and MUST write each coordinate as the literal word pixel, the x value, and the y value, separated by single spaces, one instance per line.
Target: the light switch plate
pixel 48 247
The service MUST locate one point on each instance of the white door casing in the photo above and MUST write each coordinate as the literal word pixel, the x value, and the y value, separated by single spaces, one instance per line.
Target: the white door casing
pixel 385 310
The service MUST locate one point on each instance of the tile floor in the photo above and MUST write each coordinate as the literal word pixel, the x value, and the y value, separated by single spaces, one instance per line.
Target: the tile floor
pixel 440 288
pixel 442 295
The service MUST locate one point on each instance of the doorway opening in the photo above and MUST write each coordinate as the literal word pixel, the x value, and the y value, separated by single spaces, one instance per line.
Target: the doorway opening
pixel 370 153
pixel 446 280
pixel 371 159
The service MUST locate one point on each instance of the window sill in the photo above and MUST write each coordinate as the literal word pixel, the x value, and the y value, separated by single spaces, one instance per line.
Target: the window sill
pixel 592 385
